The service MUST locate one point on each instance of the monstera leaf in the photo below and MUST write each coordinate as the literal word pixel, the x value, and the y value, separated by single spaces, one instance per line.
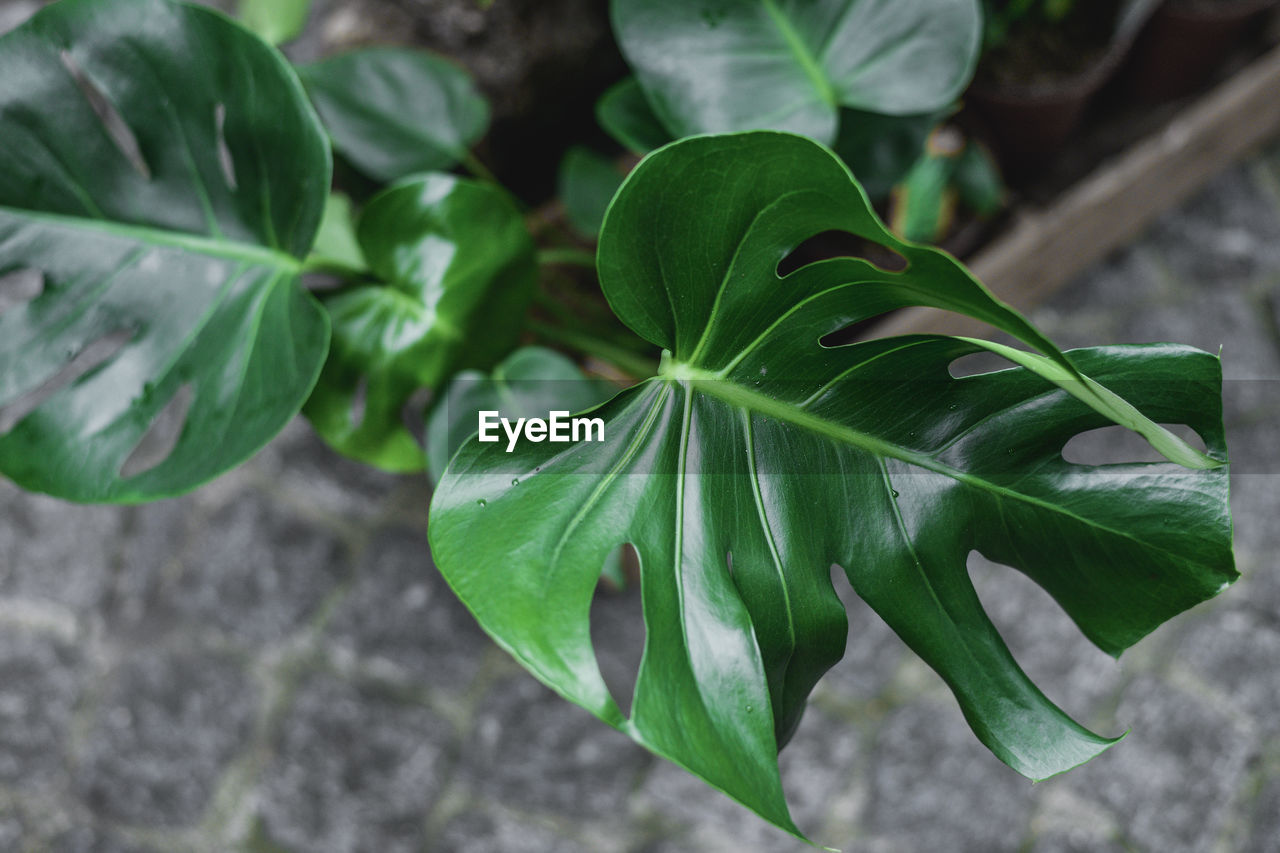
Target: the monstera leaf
pixel 457 271
pixel 167 204
pixel 758 457
pixel 394 111
pixel 717 65
pixel 529 383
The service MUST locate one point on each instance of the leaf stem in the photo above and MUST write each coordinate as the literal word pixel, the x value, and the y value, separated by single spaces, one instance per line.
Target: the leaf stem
pixel 573 257
pixel 637 366
pixel 478 169
pixel 321 264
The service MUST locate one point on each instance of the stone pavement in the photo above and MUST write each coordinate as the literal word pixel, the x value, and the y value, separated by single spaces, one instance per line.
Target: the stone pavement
pixel 270 664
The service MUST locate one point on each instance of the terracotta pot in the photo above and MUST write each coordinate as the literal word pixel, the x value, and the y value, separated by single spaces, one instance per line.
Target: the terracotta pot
pixel 1185 41
pixel 1029 123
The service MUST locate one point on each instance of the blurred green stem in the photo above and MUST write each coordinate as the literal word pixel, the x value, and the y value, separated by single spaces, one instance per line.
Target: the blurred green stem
pixel 636 366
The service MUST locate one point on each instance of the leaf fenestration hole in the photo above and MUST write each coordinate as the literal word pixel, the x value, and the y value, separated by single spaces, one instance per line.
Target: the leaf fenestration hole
pixel 162 437
pixel 81 363
pixel 840 244
pixel 225 162
pixel 19 287
pixel 977 363
pixel 112 122
pixel 618 634
pixel 1043 640
pixel 1110 445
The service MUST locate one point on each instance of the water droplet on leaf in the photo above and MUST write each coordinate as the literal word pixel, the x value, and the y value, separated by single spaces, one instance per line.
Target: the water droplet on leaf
pixel 482 503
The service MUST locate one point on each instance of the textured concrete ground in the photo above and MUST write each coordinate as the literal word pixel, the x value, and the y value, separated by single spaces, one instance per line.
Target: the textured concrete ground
pixel 270 664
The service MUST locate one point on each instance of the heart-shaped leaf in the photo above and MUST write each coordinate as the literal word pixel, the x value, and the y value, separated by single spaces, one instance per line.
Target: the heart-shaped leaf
pixel 625 115
pixel 165 173
pixel 717 65
pixel 458 270
pixel 394 111
pixel 758 457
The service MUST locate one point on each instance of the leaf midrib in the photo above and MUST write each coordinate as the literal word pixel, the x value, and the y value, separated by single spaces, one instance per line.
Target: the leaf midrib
pixel 753 401
pixel 147 235
pixel 803 55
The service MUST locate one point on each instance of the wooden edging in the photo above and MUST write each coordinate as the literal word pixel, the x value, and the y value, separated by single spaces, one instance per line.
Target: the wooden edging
pixel 1047 248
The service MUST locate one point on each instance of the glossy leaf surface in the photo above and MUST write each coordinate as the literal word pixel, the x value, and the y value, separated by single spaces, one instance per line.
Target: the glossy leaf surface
pixel 394 111
pixel 529 383
pixel 758 457
pixel 165 173
pixel 457 271
pixel 719 65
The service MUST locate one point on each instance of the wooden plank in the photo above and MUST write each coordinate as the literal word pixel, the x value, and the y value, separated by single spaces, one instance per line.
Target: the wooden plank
pixel 1045 249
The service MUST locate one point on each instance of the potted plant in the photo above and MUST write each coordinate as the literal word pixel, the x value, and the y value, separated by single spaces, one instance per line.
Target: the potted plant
pixel 1042 63
pixel 172 211
pixel 1185 41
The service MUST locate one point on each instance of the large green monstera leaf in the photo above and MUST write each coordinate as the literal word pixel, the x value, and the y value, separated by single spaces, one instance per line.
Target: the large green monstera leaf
pixel 719 65
pixel 457 271
pixel 164 173
pixel 758 457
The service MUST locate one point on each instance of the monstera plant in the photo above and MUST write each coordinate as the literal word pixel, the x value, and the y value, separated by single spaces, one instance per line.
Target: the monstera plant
pixel 166 185
pixel 757 457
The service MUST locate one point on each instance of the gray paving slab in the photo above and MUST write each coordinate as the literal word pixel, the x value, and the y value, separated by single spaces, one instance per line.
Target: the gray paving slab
pixel 166 727
pixel 41 680
pixel 353 769
pixel 270 664
pixel 528 751
pixel 401 616
pixel 1172 781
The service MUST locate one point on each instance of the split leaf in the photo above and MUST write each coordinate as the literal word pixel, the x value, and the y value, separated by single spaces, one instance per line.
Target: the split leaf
pixel 758 457
pixel 165 174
